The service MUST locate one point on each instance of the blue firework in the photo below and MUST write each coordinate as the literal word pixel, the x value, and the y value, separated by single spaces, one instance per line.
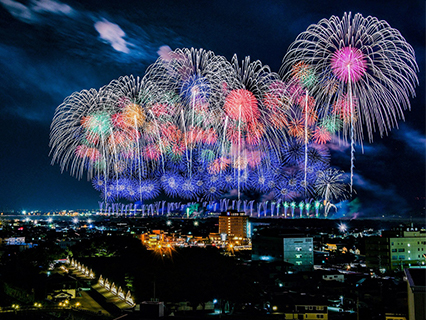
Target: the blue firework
pixel 262 180
pixel 191 187
pixel 118 187
pixel 212 193
pixel 284 191
pixel 293 153
pixel 293 177
pixel 195 89
pixel 171 182
pixel 99 183
pixel 229 179
pixel 243 180
pixel 130 193
pixel 318 154
pixel 109 195
pixel 176 163
pixel 313 169
pixel 147 189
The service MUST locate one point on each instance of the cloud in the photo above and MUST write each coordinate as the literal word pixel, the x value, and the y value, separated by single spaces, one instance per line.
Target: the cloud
pixel 53 7
pixel 387 198
pixel 19 11
pixel 30 13
pixel 413 138
pixel 113 34
pixel 338 144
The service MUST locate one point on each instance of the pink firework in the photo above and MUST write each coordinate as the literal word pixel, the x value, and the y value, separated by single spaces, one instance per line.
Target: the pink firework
pixel 321 135
pixel 92 138
pixel 81 151
pixel 342 107
pixel 254 158
pixel 152 152
pixel 255 131
pixel 84 152
pixel 348 64
pixel 159 109
pixel 370 61
pixel 241 104
pixel 233 134
pixel 117 120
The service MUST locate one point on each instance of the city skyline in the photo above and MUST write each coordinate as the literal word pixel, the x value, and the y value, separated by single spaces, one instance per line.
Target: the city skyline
pixel 56 48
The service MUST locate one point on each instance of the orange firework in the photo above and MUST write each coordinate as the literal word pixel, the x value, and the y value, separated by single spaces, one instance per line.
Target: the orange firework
pixel 240 163
pixel 195 135
pixel 210 136
pixel 134 115
pixel 296 127
pixel 218 165
pixel 300 70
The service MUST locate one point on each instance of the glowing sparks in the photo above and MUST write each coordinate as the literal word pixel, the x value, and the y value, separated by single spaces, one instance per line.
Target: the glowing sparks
pixel 348 64
pixel 197 125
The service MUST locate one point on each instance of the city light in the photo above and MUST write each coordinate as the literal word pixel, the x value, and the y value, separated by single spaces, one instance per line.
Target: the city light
pixel 343 227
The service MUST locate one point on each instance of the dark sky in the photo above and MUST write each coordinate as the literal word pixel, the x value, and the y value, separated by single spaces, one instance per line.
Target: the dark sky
pixel 50 49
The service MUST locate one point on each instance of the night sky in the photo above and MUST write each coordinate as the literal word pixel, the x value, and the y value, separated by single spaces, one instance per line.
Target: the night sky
pixel 50 49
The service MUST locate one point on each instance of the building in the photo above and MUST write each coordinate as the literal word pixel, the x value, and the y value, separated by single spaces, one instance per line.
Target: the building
pixel 279 245
pixel 299 251
pixel 396 249
pixel 416 284
pixel 151 240
pixel 234 225
pixel 307 308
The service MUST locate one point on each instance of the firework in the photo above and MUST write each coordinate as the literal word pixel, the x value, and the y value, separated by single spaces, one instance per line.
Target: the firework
pixel 373 64
pixel 197 126
pixel 330 184
pixel 366 56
